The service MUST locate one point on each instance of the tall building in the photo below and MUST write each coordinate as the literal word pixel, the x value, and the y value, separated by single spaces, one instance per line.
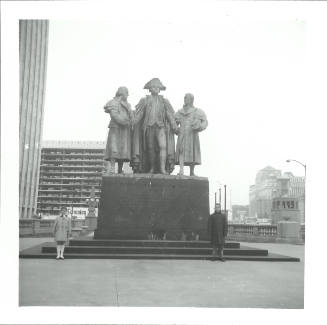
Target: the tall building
pixel 262 192
pixel 297 190
pixel 273 186
pixel 33 45
pixel 68 171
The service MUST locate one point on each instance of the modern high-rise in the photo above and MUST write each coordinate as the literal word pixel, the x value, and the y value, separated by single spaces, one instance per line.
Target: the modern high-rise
pixel 33 46
pixel 68 171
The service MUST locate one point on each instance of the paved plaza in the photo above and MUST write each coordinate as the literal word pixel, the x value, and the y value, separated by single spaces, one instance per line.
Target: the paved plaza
pixel 163 283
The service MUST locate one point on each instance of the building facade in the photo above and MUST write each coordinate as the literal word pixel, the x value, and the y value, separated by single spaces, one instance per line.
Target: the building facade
pixel 240 213
pixel 68 172
pixel 262 192
pixel 271 187
pixel 33 48
pixel 285 208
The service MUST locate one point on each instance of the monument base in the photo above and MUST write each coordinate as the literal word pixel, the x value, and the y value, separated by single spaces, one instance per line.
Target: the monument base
pixel 144 206
pixel 288 232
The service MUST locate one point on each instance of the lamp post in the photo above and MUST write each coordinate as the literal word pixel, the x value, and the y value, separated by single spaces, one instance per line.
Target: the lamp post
pixel 220 196
pixel 225 199
pixel 305 178
pixel 304 165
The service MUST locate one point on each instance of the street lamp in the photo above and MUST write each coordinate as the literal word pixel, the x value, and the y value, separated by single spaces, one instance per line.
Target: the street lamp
pixel 219 184
pixel 225 198
pixel 305 178
pixel 304 165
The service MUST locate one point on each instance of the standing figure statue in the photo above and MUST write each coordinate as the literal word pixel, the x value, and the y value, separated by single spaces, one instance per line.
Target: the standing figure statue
pixel 118 147
pixel 191 121
pixel 153 148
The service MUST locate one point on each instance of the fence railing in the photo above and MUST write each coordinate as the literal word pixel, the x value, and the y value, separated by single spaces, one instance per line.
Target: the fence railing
pixel 42 227
pixel 255 232
pixel 245 232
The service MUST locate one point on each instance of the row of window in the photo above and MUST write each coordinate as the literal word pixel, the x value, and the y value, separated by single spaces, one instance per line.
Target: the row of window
pixel 60 153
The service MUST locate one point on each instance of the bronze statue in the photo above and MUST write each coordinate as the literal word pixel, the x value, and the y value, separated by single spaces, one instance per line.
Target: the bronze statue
pixel 191 121
pixel 153 148
pixel 118 147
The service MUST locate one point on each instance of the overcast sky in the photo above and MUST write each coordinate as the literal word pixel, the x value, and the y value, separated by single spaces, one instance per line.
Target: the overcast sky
pixel 246 75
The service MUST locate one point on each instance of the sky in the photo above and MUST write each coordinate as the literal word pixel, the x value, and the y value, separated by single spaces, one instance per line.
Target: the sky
pixel 247 75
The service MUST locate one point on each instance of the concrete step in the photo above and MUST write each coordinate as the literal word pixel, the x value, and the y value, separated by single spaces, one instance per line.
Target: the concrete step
pixel 268 258
pixel 155 250
pixel 146 243
pixel 116 249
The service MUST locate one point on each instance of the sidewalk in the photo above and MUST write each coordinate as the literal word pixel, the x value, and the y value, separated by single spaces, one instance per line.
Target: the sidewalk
pixel 163 283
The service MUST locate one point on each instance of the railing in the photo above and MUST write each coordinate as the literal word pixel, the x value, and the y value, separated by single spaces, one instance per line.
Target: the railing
pixel 256 232
pixel 241 232
pixel 39 227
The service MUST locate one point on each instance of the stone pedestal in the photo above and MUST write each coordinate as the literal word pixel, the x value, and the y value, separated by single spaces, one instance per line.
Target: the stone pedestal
pixel 91 222
pixel 288 231
pixel 143 206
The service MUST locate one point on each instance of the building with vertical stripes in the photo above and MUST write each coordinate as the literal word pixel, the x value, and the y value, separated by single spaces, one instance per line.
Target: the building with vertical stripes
pixel 33 47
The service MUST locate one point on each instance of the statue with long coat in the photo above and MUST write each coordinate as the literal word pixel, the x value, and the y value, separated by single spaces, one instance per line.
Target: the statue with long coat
pixel 118 148
pixel 153 143
pixel 191 120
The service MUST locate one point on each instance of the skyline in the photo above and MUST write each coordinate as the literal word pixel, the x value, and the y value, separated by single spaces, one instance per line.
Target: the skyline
pixel 98 144
pixel 245 75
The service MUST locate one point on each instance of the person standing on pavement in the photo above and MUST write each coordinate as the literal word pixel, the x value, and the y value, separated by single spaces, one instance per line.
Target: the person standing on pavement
pixel 62 232
pixel 218 228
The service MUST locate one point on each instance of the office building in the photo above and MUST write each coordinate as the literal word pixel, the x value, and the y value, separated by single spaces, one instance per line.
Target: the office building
pixel 68 171
pixel 33 46
pixel 276 196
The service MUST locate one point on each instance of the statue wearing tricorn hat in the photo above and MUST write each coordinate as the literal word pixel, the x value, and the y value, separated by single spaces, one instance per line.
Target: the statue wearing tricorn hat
pixel 153 147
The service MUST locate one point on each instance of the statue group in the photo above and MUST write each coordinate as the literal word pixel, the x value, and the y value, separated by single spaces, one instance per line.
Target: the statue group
pixel 145 137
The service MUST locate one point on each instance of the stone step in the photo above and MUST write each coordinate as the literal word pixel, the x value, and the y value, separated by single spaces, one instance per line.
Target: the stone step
pixel 268 258
pixel 154 250
pixel 147 243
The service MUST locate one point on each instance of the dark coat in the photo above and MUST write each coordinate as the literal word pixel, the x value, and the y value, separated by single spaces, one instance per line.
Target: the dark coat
pixel 218 228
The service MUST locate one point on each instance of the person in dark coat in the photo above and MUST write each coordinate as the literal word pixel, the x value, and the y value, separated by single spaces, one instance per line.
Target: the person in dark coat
pixel 217 227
